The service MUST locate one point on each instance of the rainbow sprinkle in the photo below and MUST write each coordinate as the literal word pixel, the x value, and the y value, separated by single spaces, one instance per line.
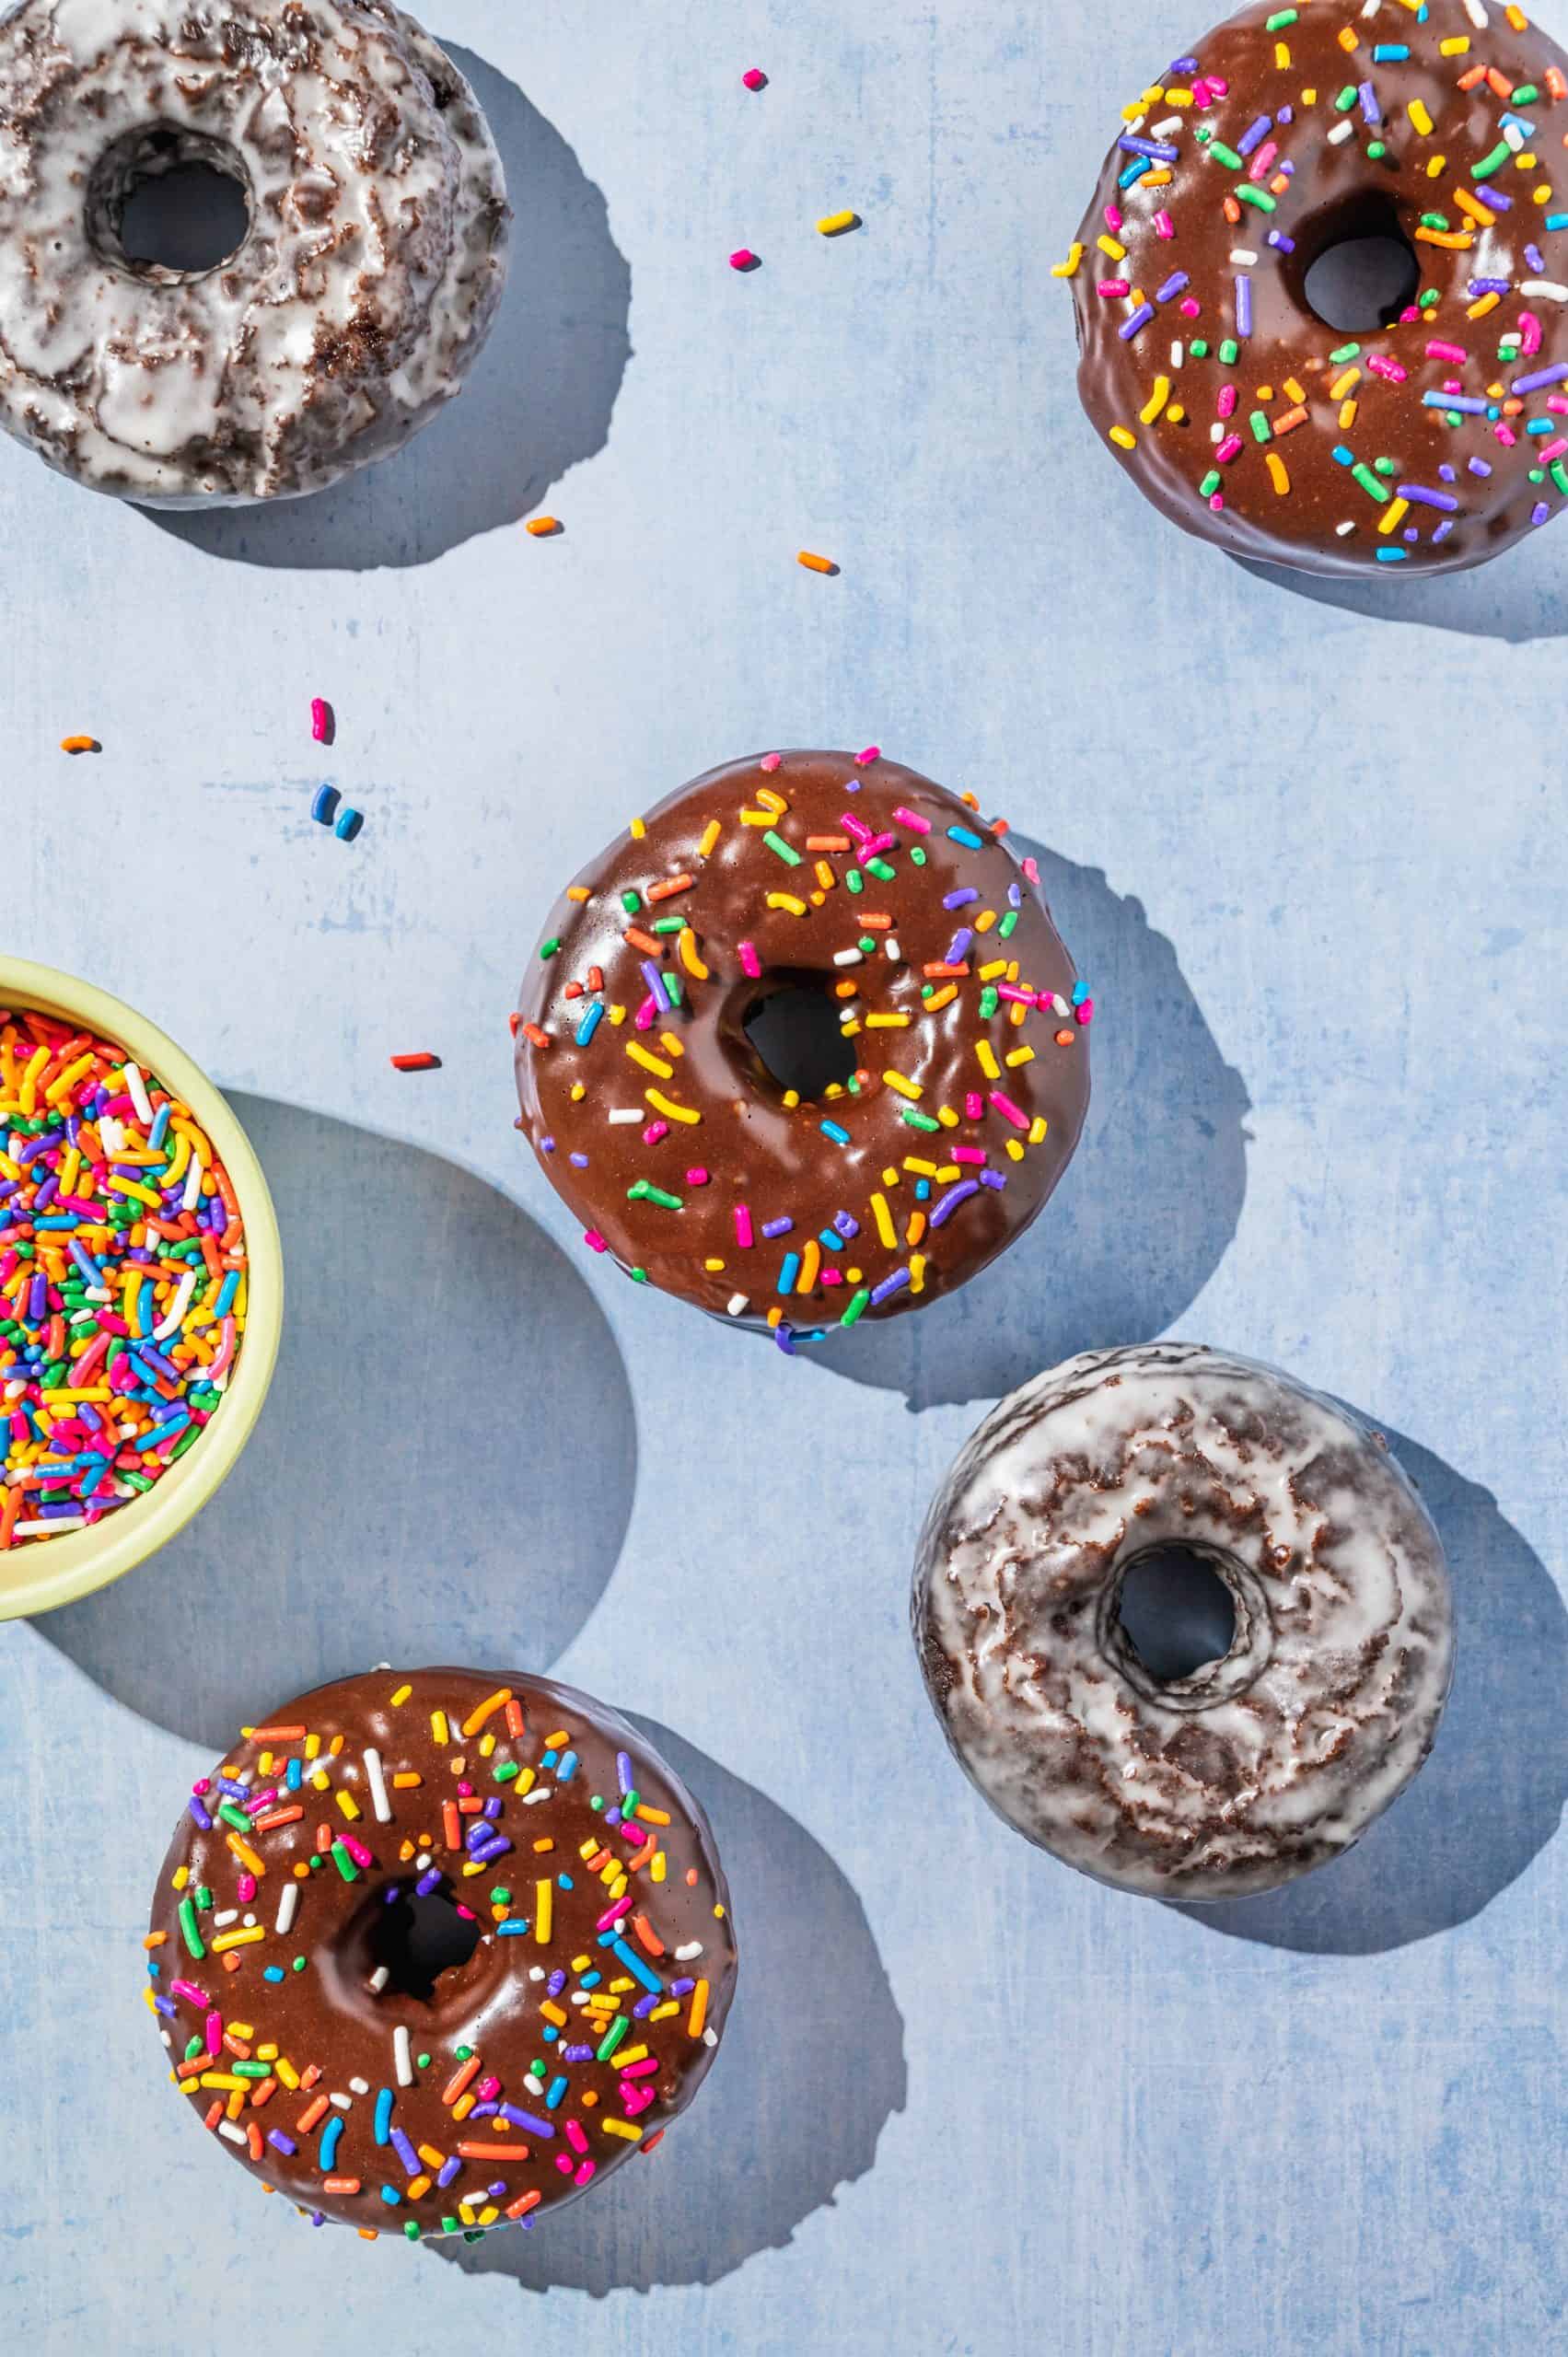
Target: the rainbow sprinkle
pixel 123 1279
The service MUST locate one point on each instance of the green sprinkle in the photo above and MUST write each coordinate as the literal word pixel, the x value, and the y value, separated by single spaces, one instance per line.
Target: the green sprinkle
pixel 1257 196
pixel 883 873
pixel 232 1815
pixel 1375 150
pixel 465 2054
pixel 1005 930
pixel 866 945
pixel 786 851
pixel 1346 99
pixel 548 948
pixel 1346 351
pixel 669 925
pixel 1434 221
pixel 613 2036
pixel 251 2070
pixel 1209 484
pixel 1199 347
pixel 1226 155
pixel 642 1190
pixel 1387 465
pixel 412 2229
pixel 298 1963
pixel 629 1801
pixel 1559 471
pixel 423 2061
pixel 856 1309
pixel 1280 19
pixel 1261 429
pixel 508 1769
pixel 916 1119
pixel 855 879
pixel 1524 94
pixel 989 1003
pixel 1230 352
pixel 1364 475
pixel 189 1931
pixel 917 856
pixel 638 1276
pixel 499 1896
pixel 345 1863
pixel 1492 163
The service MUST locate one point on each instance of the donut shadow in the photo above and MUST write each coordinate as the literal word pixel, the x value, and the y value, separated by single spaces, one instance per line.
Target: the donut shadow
pixel 807 2078
pixel 1146 1211
pixel 408 1493
pixel 1520 596
pixel 538 401
pixel 1491 1794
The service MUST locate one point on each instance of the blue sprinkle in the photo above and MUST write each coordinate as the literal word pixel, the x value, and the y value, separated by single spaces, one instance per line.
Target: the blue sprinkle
pixel 324 806
pixel 349 825
pixel 383 2126
pixel 841 1136
pixel 967 837
pixel 590 1024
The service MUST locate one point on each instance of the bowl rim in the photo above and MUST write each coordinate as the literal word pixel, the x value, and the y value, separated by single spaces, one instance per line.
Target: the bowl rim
pixel 60 1571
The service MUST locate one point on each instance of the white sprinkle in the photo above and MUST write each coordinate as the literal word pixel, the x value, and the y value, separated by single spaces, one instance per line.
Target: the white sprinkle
pixel 1169 128
pixel 111 1134
pixel 625 1113
pixel 710 2038
pixel 225 1915
pixel 736 1304
pixel 540 1793
pixel 360 2086
pixel 1548 288
pixel 1340 133
pixel 1513 137
pixel 1243 257
pixel 535 2087
pixel 1344 531
pixel 848 957
pixel 234 2133
pixel 42 1529
pixel 139 1097
pixel 380 1978
pixel 536 1972
pixel 175 1318
pixel 401 2061
pixel 377 1783
pixel 1476 13
pixel 1217 433
pixel 684 1955
pixel 249 1920
pixel 191 1191
pixel 423 1863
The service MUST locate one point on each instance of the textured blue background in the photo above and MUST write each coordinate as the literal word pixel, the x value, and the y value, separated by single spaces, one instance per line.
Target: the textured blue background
pixel 1304 843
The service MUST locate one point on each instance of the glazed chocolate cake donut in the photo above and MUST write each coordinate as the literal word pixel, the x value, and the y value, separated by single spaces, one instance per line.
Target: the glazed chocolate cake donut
pixel 352 307
pixel 952 1012
pixel 1430 444
pixel 1259 1765
pixel 433 1951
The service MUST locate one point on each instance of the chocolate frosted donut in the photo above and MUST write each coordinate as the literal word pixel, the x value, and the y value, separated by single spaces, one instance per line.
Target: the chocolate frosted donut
pixel 352 309
pixel 431 1951
pixel 1259 1765
pixel 858 894
pixel 1431 443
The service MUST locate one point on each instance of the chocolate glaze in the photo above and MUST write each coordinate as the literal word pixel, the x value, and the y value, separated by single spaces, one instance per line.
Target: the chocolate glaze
pixel 1259 1765
pixel 776 1159
pixel 351 311
pixel 326 2029
pixel 1137 326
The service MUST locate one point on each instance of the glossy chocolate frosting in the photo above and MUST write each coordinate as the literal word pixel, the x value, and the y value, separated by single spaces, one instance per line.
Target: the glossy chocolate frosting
pixel 1260 1765
pixel 286 1945
pixel 349 314
pixel 664 1130
pixel 1425 445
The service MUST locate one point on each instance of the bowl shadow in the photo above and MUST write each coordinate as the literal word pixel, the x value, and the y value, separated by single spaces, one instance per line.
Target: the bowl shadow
pixel 408 1493
pixel 1146 1210
pixel 538 401
pixel 801 2089
pixel 1520 596
pixel 1490 1796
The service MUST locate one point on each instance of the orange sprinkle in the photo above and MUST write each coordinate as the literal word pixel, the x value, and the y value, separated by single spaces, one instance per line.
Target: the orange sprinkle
pixel 459 2080
pixel 668 890
pixel 80 745
pixel 815 564
pixel 545 527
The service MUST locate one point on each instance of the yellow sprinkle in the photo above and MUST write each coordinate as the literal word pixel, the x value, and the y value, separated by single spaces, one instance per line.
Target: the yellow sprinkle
pixel 439 1726
pixel 1019 1056
pixel 1122 438
pixel 1109 245
pixel 887 1233
pixel 1343 383
pixel 544 1898
pixel 1420 118
pixel 1347 416
pixel 402 1694
pixel 673 1111
pixel 833 225
pixel 873 1023
pixel 578 892
pixel 622 2128
pixel 988 1062
pixel 1479 309
pixel 1393 514
pixel 711 833
pixel 1068 269
pixel 1155 402
pixel 1279 473
pixel 689 956
pixel 910 1088
pixel 237 1940
pixel 1457 46
pixel 349 1808
pixel 639 828
pixel 787 901
pixel 655 1064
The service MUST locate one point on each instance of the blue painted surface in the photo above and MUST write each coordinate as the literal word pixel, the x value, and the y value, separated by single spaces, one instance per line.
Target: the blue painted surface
pixel 1309 848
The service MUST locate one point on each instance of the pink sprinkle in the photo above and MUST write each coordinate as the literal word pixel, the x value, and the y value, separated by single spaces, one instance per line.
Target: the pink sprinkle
pixel 583 2173
pixel 831 1277
pixel 1552 450
pixel 642 2069
pixel 750 962
pixel 575 2136
pixel 1031 869
pixel 772 760
pixel 1086 1013
pixel 1381 366
pixel 356 1851
pixel 323 727
pixel 743 1236
pixel 247 1889
pixel 623 1907
pixel 1228 401
pixel 743 258
pixel 1008 1111
pixel 1231 447
pixel 1529 327
pixel 913 818
pixel 489 2089
pixel 1114 216
pixel 1506 435
pixel 189 1990
pixel 644 1018
pixel 654 1131
pixel 872 753
pixel 1113 288
pixel 697 1178
pixel 1448 351
pixel 594 1240
pixel 1190 309
pixel 970 1154
pixel 974 1106
pixel 1011 990
pixel 1164 225
pixel 754 78
pixel 632 2103
pixel 1216 505
pixel 214 2033
pixel 1263 158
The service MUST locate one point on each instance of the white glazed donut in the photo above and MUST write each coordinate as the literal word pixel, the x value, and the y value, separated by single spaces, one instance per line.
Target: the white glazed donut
pixel 1257 1767
pixel 352 308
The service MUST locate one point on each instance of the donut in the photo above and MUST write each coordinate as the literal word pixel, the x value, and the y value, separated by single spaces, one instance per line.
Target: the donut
pixel 900 925
pixel 433 1951
pixel 1432 443
pixel 1261 1764
pixel 352 309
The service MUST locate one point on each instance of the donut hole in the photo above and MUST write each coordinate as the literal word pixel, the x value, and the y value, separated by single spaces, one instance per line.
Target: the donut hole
pixel 414 1938
pixel 1362 272
pixel 168 204
pixel 794 1028
pixel 1176 1613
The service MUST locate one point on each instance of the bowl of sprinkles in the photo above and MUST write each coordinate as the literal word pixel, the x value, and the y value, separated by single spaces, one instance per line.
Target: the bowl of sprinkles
pixel 141 1288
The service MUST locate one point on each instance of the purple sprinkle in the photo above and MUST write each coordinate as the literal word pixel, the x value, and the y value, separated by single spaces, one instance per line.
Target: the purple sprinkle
pixel 1244 307
pixel 624 1769
pixel 679 1988
pixel 888 1287
pixel 406 2153
pixel 848 1227
pixel 950 1202
pixel 1137 324
pixel 284 2144
pixel 428 1882
pixel 961 899
pixel 655 980
pixel 1536 261
pixel 447 2170
pixel 1491 286
pixel 1157 151
pixel 1255 134
pixel 958 948
pixel 1369 106
pixel 528 2119
pixel 1172 287
pixel 1541 512
pixel 200 1813
pixel 1480 466
pixel 1542 377
pixel 1421 497
pixel 995 1179
pixel 778 1227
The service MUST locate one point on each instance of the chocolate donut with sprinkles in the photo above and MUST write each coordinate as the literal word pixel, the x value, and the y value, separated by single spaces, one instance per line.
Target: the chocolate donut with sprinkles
pixel 1428 443
pixel 433 1952
pixel 876 937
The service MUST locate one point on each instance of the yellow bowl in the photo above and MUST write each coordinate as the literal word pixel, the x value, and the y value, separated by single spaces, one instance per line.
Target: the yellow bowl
pixel 48 1571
